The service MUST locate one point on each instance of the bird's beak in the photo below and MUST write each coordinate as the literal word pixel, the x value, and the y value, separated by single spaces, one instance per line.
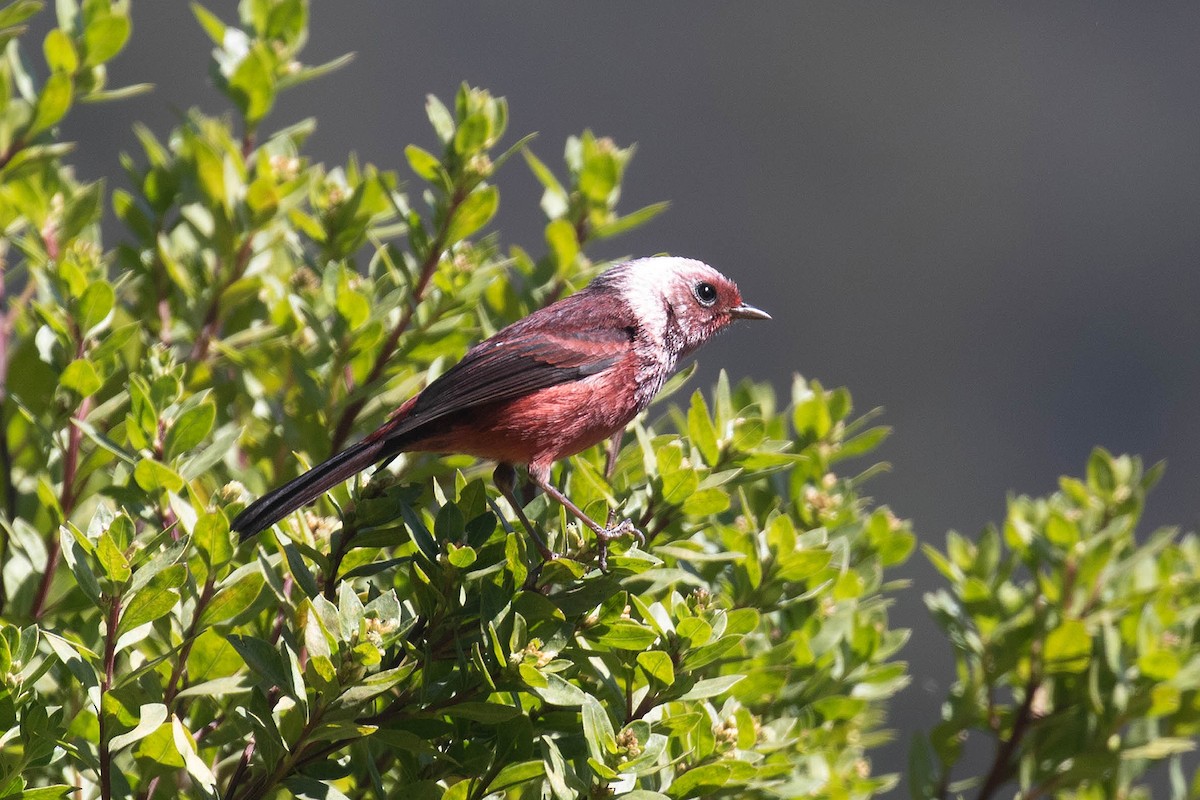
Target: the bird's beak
pixel 746 311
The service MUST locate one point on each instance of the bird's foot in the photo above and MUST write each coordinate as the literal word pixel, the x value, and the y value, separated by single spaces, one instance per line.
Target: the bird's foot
pixel 611 532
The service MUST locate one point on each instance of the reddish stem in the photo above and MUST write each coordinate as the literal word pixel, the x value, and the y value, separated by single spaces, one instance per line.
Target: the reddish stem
pixel 346 422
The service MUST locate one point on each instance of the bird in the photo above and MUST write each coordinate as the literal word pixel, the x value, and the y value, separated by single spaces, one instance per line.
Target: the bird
pixel 567 376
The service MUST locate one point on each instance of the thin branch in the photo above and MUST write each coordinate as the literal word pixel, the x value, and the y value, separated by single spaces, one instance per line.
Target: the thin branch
pixel 174 683
pixel 68 496
pixel 242 767
pixel 335 562
pixel 212 315
pixel 350 413
pixel 6 326
pixel 6 463
pixel 1002 766
pixel 110 658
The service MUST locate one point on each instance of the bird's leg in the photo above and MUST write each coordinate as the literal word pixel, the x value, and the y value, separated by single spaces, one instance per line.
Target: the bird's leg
pixel 604 533
pixel 505 478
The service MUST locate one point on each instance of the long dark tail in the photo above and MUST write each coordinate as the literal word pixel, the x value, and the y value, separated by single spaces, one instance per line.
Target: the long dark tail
pixel 303 489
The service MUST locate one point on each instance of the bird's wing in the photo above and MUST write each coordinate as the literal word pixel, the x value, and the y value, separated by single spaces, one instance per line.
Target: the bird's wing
pixel 513 364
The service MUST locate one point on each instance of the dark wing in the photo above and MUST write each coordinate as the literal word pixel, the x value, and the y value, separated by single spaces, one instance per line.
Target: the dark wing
pixel 516 362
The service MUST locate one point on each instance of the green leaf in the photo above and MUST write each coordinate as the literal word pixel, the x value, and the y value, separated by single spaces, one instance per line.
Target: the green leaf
pixel 475 211
pixel 52 103
pixel 1160 748
pixel 212 24
pixel 599 178
pixel 543 174
pixel 263 659
pixel 55 792
pixel 1159 664
pixel 17 12
pixel 120 93
pixel 155 599
pixel 440 118
pixel 150 716
pixel 557 692
pixel 694 631
pixel 116 566
pixel 104 37
pixel 306 788
pixel 461 557
pixel 159 748
pixel 624 634
pixel 472 135
pixel 233 599
pixel 196 767
pixel 190 429
pixel 213 539
pixel 489 713
pixel 658 666
pixel 353 306
pixel 252 84
pixel 305 74
pixel 563 242
pixel 811 416
pixel 153 476
pixel 701 431
pixel 705 502
pixel 60 51
pixel 84 209
pixel 81 377
pixel 1100 476
pixel 1068 647
pixel 711 687
pixel 629 222
pixel 95 305
pixel 516 774
pixel 598 729
pixel 375 685
pixel 709 779
pixel 425 164
pixel 158 562
pixel 77 556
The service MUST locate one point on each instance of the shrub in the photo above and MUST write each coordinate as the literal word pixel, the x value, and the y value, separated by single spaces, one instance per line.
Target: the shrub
pixel 259 309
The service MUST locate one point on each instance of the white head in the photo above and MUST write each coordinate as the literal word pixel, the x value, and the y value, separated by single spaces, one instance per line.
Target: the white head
pixel 679 302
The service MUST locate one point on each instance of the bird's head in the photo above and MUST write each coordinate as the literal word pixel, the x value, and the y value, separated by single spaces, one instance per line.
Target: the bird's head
pixel 679 302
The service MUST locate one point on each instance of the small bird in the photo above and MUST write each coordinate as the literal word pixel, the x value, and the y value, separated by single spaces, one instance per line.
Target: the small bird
pixel 546 387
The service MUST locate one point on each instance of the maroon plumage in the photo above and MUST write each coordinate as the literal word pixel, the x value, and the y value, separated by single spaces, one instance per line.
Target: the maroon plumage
pixel 548 386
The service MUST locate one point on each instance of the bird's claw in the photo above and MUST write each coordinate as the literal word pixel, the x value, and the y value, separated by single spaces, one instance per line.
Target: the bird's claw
pixel 611 532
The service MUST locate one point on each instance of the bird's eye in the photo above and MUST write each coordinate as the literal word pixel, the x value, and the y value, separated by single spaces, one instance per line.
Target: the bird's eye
pixel 705 292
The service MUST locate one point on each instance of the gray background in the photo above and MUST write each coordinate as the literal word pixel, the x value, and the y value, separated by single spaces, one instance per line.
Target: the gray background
pixel 982 218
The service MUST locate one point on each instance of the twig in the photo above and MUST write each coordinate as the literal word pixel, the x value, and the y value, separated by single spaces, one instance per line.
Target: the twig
pixel 6 325
pixel 350 413
pixel 212 315
pixel 1002 766
pixel 110 658
pixel 242 766
pixel 6 465
pixel 281 617
pixel 68 496
pixel 174 683
pixel 335 563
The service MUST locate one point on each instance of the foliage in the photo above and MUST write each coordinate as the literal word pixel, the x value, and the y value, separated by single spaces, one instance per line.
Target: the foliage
pixel 1077 649
pixel 259 310
pixel 257 301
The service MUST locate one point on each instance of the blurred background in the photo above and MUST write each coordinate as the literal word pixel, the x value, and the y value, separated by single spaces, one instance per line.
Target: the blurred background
pixel 984 219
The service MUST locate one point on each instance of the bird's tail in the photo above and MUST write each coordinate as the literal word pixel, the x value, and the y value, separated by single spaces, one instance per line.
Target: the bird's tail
pixel 303 489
